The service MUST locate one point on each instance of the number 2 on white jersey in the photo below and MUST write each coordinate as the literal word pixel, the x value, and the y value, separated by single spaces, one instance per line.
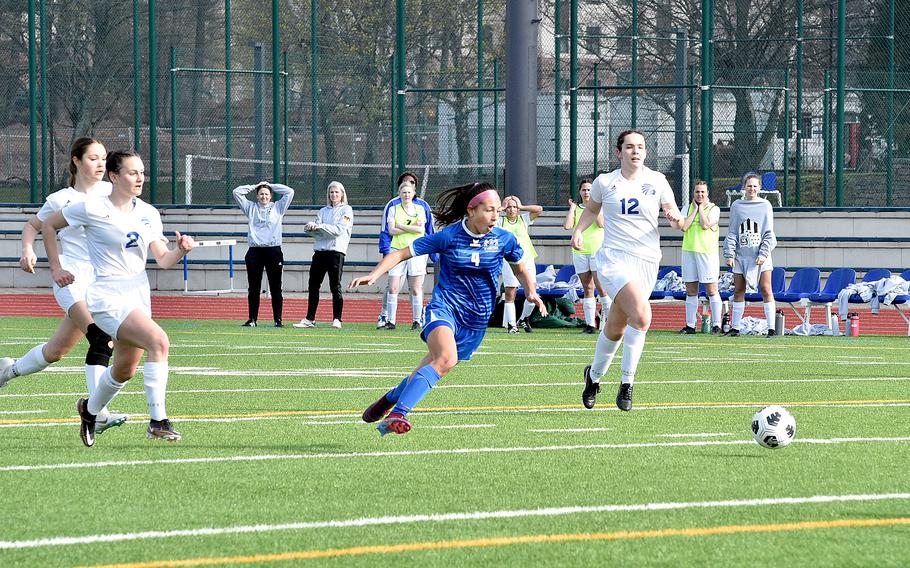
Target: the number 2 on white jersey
pixel 628 207
pixel 475 258
pixel 134 239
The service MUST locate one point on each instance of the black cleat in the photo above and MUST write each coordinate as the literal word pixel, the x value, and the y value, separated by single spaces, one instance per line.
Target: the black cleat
pixel 87 425
pixel 249 323
pixel 389 325
pixel 278 323
pixel 415 325
pixel 525 325
pixel 624 397
pixel 732 333
pixel 772 333
pixel 589 395
pixel 162 430
pixel 688 330
pixel 378 409
pixel 589 329
pixel 715 330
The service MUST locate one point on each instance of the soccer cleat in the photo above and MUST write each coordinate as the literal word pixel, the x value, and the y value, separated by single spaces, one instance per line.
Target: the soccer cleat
pixel 389 325
pixel 336 324
pixel 589 395
pixel 415 325
pixel 732 333
pixel 307 323
pixel 688 330
pixel 590 329
pixel 512 329
pixel 87 423
pixel 378 409
pixel 525 325
pixel 112 420
pixel 249 323
pixel 162 430
pixel 624 397
pixel 772 332
pixel 380 323
pixel 278 323
pixel 715 330
pixel 394 422
pixel 6 370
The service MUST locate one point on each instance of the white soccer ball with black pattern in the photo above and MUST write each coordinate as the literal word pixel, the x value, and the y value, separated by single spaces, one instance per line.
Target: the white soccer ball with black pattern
pixel 773 427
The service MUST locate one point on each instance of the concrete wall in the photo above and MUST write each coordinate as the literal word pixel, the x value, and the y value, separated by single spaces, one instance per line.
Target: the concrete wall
pixel 830 239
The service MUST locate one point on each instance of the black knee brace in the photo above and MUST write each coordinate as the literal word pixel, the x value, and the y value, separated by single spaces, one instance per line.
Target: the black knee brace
pixel 100 346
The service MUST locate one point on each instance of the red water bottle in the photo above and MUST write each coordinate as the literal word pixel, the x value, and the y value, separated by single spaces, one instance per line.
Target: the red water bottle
pixel 853 319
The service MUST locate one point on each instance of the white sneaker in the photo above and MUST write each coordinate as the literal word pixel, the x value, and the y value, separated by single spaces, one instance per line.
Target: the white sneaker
pixel 336 324
pixel 305 323
pixel 6 370
pixel 380 323
pixel 111 420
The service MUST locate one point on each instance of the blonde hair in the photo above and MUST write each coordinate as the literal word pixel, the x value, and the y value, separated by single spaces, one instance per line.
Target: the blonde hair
pixel 344 194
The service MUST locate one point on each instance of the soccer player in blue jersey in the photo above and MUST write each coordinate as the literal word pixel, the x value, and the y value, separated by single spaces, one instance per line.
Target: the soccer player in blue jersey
pixel 471 250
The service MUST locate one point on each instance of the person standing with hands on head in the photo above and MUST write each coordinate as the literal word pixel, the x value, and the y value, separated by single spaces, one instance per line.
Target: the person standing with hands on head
pixel 120 230
pixel 406 222
pixel 701 257
pixel 471 250
pixel 583 259
pixel 516 219
pixel 332 231
pixel 747 249
pixel 631 199
pixel 87 167
pixel 264 237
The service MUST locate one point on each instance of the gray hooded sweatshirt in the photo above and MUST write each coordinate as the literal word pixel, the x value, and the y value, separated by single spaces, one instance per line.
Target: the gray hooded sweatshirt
pixel 750 234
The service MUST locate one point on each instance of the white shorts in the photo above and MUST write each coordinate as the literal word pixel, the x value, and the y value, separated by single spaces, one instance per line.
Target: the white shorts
pixel 509 280
pixel 616 268
pixel 741 266
pixel 700 267
pixel 414 266
pixel 84 275
pixel 584 262
pixel 111 300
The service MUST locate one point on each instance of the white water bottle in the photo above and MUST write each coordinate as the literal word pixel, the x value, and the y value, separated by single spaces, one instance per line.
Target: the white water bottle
pixel 835 326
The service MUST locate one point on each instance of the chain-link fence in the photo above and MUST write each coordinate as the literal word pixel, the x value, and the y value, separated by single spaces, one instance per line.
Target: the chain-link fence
pixel 759 92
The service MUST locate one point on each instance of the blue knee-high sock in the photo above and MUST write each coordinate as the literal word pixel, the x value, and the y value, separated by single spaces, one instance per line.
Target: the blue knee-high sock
pixel 414 390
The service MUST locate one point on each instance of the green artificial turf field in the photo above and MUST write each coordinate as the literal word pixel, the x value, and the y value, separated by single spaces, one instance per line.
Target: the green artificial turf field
pixel 503 466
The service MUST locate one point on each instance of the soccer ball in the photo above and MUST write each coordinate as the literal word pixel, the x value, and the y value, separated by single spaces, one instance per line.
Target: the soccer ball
pixel 773 427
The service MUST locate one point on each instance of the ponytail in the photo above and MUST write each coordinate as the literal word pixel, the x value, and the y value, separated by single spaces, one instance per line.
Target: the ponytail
pixel 77 150
pixel 452 204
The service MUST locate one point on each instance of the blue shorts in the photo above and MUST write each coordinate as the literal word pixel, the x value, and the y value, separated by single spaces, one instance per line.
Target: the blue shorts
pixel 467 340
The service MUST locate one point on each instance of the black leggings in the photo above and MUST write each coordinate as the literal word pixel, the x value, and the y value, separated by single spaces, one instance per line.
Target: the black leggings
pixel 326 262
pixel 271 259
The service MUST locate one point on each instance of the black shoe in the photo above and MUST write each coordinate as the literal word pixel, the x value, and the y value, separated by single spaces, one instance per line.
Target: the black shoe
pixel 87 425
pixel 415 325
pixel 525 325
pixel 278 323
pixel 688 330
pixel 624 397
pixel 732 333
pixel 390 325
pixel 715 330
pixel 249 323
pixel 772 333
pixel 589 395
pixel 589 329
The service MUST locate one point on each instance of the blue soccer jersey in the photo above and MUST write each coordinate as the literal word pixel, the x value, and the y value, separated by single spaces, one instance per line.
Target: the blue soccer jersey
pixel 469 267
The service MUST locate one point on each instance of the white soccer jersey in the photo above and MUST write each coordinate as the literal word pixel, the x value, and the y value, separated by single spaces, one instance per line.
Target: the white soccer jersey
pixel 72 239
pixel 631 210
pixel 118 242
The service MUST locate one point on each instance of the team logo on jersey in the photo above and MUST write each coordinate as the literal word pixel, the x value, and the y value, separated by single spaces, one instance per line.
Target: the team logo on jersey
pixel 749 235
pixel 648 189
pixel 491 244
pixel 475 243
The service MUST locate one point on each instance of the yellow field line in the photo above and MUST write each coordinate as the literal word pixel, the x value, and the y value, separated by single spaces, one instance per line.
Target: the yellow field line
pixel 509 541
pixel 317 413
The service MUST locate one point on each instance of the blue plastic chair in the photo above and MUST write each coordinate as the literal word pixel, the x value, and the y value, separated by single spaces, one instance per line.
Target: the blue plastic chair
pixel 805 282
pixel 564 274
pixel 661 294
pixel 837 281
pixel 873 275
pixel 778 283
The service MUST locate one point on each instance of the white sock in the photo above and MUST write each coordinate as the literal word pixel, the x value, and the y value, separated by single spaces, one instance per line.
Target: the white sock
pixel 527 309
pixel 739 308
pixel 605 303
pixel 391 307
pixel 589 305
pixel 31 362
pixel 770 308
pixel 416 308
pixel 632 349
pixel 508 313
pixel 105 392
pixel 692 311
pixel 155 381
pixel 716 310
pixel 93 375
pixel 603 356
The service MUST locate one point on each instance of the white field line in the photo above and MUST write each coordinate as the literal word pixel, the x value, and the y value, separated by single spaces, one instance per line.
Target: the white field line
pixel 469 386
pixel 459 426
pixel 434 452
pixel 559 430
pixel 22 411
pixel 445 518
pixel 696 435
